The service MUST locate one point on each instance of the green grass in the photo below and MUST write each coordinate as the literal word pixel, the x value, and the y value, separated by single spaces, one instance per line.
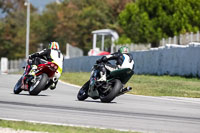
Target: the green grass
pixel 52 128
pixel 149 85
pixel 77 78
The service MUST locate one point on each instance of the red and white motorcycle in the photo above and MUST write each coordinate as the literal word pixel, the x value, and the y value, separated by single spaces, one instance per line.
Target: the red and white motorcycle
pixel 41 80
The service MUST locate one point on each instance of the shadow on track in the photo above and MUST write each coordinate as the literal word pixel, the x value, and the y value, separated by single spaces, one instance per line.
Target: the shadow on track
pixel 31 95
pixel 92 101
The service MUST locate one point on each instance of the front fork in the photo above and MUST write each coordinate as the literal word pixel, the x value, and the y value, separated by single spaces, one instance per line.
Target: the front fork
pixel 28 76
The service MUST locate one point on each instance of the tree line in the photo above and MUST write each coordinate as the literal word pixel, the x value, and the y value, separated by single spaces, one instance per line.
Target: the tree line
pixel 72 21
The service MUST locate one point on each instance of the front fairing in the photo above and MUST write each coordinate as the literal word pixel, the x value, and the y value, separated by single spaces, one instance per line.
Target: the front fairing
pixel 47 68
pixel 31 75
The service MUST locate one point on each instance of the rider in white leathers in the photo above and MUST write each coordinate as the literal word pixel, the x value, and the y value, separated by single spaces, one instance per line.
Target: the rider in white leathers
pixel 123 60
pixel 53 54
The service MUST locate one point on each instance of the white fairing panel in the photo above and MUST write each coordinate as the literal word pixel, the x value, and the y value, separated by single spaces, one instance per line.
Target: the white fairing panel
pixel 127 63
pixel 57 58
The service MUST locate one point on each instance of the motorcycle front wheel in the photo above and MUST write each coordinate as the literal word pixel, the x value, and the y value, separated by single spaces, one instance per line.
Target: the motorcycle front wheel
pixel 115 87
pixel 39 85
pixel 83 92
pixel 17 89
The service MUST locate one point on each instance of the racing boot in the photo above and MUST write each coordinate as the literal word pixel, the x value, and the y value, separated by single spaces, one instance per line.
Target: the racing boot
pixel 32 71
pixel 102 77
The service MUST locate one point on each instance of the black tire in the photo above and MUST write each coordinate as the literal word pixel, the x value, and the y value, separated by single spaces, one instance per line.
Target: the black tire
pixel 17 89
pixel 50 82
pixel 116 86
pixel 40 84
pixel 83 92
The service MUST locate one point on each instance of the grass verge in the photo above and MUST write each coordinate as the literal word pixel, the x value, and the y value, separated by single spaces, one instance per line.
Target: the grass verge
pixel 149 85
pixel 21 125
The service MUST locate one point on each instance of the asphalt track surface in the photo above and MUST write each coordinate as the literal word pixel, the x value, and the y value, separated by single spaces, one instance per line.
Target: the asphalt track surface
pixel 127 112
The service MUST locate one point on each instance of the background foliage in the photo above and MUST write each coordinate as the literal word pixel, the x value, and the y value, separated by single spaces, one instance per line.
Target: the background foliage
pixel 147 21
pixel 72 21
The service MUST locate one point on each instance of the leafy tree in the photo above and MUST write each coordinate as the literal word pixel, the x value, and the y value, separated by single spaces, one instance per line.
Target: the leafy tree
pixel 72 22
pixel 66 27
pixel 147 21
pixel 92 17
pixel 13 30
pixel 77 19
pixel 43 26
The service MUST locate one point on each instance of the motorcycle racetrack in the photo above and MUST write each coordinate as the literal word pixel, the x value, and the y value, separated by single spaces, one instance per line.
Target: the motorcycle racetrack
pixel 127 112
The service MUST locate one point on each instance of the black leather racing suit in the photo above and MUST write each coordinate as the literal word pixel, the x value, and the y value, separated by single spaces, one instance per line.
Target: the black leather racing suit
pixel 41 57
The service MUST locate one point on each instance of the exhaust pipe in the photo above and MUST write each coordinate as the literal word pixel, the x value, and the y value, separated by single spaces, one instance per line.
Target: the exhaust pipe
pixel 54 79
pixel 124 90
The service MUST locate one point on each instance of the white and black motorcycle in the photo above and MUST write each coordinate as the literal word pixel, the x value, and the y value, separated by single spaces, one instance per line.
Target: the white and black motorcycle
pixel 105 91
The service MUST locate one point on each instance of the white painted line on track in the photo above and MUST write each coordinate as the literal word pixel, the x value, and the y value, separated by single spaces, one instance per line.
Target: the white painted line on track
pixel 171 98
pixel 69 84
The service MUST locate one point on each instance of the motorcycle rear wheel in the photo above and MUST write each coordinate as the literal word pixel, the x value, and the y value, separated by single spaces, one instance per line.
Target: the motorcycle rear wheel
pixel 116 87
pixel 83 92
pixel 39 85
